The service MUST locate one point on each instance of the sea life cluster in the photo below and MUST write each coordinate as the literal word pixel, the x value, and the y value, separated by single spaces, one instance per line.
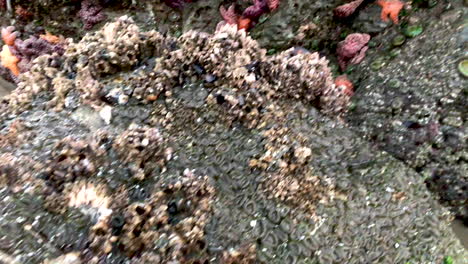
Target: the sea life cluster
pixel 420 120
pixel 17 55
pixel 146 148
pixel 245 86
pixel 390 9
pixel 250 15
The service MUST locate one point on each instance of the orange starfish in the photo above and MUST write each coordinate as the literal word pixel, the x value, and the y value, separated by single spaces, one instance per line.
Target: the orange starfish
pixel 243 23
pixel 50 38
pixel 344 84
pixel 9 35
pixel 390 8
pixel 9 61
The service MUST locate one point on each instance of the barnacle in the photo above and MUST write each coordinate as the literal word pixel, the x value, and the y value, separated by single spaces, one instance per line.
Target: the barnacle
pixel 85 194
pixel 139 145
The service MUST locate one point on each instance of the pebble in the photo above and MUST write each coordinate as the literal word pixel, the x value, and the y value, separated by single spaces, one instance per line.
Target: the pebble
pixel 106 114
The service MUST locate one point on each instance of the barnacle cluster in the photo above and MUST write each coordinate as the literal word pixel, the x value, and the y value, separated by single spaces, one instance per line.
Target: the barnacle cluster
pixel 210 151
pixel 16 134
pixel 169 225
pixel 71 159
pixel 290 179
pixel 151 65
pixel 15 172
pixel 86 195
pixel 143 148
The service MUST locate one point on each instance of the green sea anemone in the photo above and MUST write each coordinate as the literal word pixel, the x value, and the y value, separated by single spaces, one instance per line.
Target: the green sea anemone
pixel 413 31
pixel 463 67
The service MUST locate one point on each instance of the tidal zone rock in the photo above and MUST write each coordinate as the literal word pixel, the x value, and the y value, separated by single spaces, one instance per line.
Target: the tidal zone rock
pixel 140 148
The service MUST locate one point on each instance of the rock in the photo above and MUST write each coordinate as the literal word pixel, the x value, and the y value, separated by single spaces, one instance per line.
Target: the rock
pixel 270 180
pixel 5 87
pixel 430 92
pixel 70 258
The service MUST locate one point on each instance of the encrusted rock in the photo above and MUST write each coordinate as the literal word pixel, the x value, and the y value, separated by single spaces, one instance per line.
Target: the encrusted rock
pixel 243 168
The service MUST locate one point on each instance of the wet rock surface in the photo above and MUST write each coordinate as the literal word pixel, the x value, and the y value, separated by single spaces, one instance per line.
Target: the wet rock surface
pixel 175 174
pixel 5 87
pixel 412 101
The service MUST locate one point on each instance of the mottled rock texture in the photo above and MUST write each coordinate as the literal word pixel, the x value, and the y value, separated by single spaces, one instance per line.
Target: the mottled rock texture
pixel 138 147
pixel 411 101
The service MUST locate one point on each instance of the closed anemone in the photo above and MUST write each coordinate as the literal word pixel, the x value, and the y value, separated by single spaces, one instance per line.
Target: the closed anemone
pixel 223 147
pixel 204 141
pixel 260 228
pixel 250 144
pixel 286 225
pixel 274 215
pixel 243 183
pixel 281 235
pixel 235 175
pixel 217 159
pixel 282 250
pixel 270 239
pixel 291 258
pixel 250 207
pixel 311 243
pixel 240 200
pixel 305 249
pixel 263 256
pixel 224 135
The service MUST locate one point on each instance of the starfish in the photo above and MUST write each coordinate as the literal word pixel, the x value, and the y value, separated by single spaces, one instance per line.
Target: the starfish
pixel 243 23
pixel 9 60
pixel 50 38
pixel 390 8
pixel 343 83
pixel 347 9
pixel 229 15
pixel 9 35
pixel 273 4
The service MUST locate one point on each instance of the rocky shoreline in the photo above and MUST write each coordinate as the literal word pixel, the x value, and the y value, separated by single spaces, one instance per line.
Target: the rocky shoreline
pixel 150 147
